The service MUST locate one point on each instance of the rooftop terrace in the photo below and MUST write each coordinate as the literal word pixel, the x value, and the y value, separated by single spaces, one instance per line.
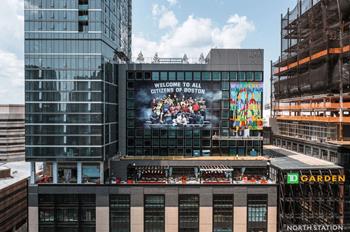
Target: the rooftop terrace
pixel 19 171
pixel 290 160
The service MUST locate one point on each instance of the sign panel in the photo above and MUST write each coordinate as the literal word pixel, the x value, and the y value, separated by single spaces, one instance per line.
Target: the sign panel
pixel 246 105
pixel 177 104
pixel 295 178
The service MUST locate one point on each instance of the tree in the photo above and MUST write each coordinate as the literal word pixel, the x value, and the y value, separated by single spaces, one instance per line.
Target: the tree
pixel 201 59
pixel 156 58
pixel 140 58
pixel 185 59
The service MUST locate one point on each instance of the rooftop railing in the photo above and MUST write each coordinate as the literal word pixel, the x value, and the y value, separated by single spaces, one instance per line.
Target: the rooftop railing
pixel 168 60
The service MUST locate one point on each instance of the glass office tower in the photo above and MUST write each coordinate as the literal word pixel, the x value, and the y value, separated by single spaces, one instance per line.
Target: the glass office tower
pixel 71 80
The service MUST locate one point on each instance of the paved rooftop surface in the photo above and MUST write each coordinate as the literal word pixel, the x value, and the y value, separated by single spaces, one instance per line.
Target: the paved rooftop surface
pixel 19 171
pixel 291 160
pixel 200 158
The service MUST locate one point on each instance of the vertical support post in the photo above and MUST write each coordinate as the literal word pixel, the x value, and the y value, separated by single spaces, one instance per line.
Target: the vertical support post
pixel 171 211
pixel 206 212
pixel 54 172
pixel 240 223
pixel 79 170
pixel 32 173
pixel 341 100
pixel 102 212
pixel 271 94
pixel 102 173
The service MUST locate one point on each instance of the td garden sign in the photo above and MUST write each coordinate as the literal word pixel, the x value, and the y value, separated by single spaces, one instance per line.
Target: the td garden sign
pixel 316 228
pixel 295 178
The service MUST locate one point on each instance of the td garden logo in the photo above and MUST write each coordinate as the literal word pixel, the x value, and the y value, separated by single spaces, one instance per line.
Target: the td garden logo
pixel 295 178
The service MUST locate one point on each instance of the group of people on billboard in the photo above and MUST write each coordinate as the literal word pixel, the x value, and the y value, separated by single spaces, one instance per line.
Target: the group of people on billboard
pixel 175 111
pixel 164 105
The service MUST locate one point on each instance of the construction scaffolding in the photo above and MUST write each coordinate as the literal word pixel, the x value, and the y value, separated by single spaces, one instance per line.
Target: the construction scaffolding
pixel 306 201
pixel 310 80
pixel 310 203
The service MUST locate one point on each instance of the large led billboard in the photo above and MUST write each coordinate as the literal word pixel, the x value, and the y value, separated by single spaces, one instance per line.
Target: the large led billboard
pixel 177 103
pixel 246 105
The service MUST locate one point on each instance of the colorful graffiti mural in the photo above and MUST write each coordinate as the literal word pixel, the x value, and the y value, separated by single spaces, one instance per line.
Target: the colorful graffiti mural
pixel 246 105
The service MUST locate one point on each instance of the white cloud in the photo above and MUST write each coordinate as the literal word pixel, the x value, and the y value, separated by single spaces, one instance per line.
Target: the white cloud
pixel 172 2
pixel 11 51
pixel 165 17
pixel 234 32
pixel 156 9
pixel 195 36
pixel 11 78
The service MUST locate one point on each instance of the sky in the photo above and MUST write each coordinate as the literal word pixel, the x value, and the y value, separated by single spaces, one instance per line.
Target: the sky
pixel 170 27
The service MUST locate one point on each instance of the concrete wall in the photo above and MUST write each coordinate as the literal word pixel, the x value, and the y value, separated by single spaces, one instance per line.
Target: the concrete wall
pixel 12 132
pixel 171 194
pixel 219 60
pixel 33 219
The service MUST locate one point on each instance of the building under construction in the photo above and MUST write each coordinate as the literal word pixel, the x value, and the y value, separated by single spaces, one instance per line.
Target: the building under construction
pixel 306 203
pixel 311 83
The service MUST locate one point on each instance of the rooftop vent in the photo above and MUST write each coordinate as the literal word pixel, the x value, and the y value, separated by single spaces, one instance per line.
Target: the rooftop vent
pixel 5 172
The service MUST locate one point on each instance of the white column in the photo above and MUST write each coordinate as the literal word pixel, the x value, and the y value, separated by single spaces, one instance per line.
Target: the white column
pixel 54 172
pixel 101 173
pixel 272 219
pixel 240 219
pixel 102 219
pixel 171 219
pixel 136 219
pixel 32 173
pixel 206 219
pixel 33 219
pixel 79 170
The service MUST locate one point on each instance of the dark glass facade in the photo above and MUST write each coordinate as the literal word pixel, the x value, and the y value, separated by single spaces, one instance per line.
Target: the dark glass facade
pixel 208 132
pixel 223 213
pixel 71 80
pixel 119 213
pixel 189 213
pixel 257 213
pixel 154 213
pixel 134 208
pixel 68 213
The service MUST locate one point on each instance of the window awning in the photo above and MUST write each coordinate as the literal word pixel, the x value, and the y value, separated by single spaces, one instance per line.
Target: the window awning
pixel 215 169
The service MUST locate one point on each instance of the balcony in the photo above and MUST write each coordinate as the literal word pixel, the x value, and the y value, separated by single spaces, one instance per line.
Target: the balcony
pixel 314 119
pixel 148 175
pixel 313 106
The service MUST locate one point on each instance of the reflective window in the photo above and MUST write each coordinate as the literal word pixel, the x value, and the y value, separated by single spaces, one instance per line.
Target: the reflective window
pixel 155 76
pixel 257 213
pixel 120 213
pixel 91 173
pixel 154 213
pixel 188 76
pixel 233 76
pixel 189 213
pixel 241 76
pixel 163 76
pixel 73 211
pixel 180 76
pixel 258 76
pixel 222 213
pixel 172 76
pixel 197 76
pixel 216 76
pixel 67 173
pixel 206 76
pixel 250 76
